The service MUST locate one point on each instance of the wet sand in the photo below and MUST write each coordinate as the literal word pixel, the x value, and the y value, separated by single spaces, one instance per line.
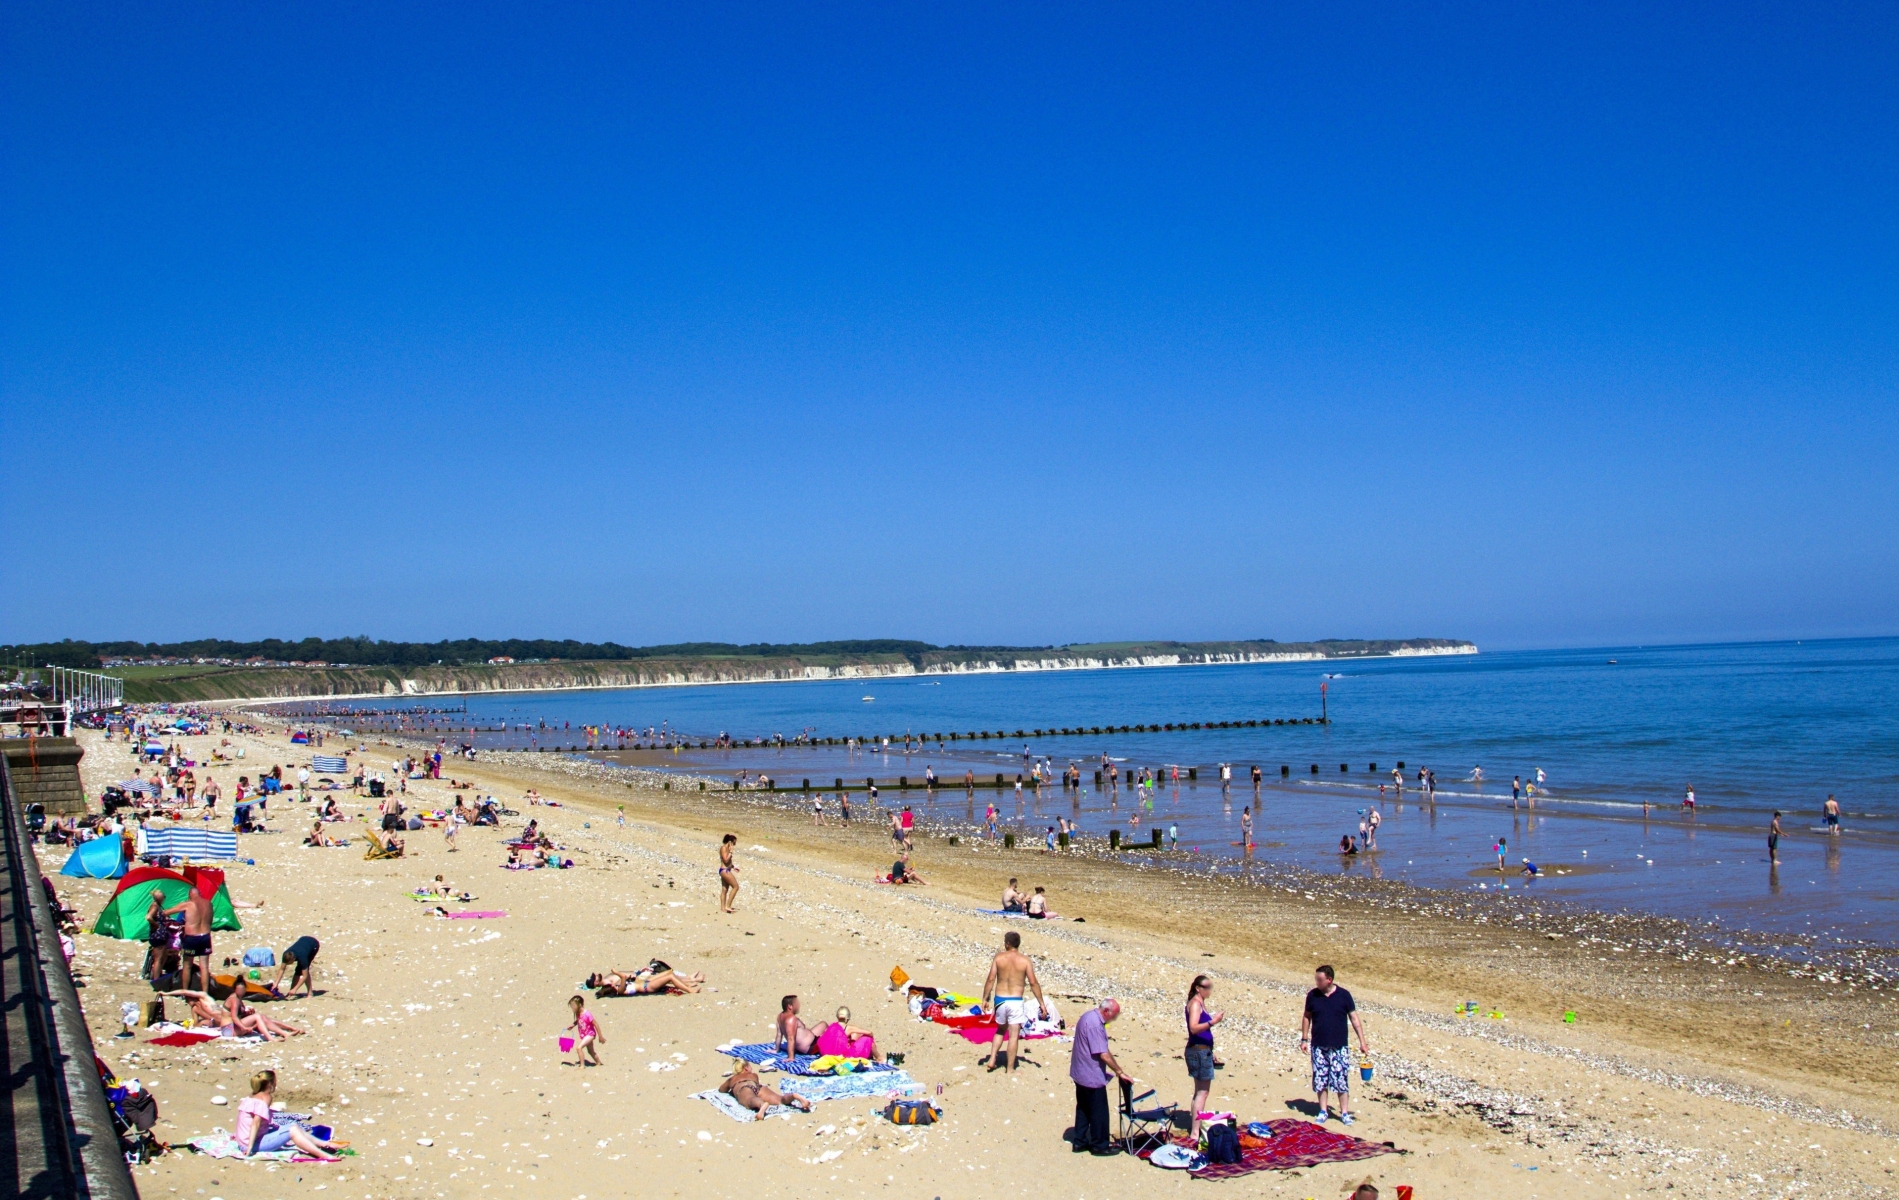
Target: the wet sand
pixel 1689 1065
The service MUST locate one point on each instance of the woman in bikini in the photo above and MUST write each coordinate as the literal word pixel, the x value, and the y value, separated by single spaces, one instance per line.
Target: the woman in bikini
pixel 728 873
pixel 649 980
pixel 744 1086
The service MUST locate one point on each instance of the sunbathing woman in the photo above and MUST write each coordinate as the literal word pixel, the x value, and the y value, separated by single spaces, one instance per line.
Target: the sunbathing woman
pixel 318 837
pixel 847 1040
pixel 251 1021
pixel 206 1011
pixel 237 1020
pixel 745 1087
pixel 650 980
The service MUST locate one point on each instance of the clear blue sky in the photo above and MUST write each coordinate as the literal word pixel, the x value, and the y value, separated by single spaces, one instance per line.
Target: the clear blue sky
pixel 1534 327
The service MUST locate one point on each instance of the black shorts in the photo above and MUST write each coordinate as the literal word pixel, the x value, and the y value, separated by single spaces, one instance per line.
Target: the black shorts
pixel 195 944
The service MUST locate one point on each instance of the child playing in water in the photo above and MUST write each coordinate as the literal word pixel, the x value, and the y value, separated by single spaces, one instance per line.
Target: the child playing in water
pixel 587 1036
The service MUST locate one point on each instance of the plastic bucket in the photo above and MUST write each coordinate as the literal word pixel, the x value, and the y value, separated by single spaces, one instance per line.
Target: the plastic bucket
pixel 321 1132
pixel 567 1045
pixel 1365 1069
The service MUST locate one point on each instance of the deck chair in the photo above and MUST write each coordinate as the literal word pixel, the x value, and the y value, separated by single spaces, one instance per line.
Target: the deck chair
pixel 1144 1129
pixel 377 848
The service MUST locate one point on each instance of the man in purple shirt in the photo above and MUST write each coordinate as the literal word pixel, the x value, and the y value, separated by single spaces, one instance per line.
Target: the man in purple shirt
pixel 1089 1065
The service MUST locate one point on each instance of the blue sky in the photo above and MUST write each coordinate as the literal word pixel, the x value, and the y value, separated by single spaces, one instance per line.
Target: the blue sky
pixel 1534 327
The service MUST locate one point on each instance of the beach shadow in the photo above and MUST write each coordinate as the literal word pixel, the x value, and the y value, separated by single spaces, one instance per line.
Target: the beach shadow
pixel 1305 1108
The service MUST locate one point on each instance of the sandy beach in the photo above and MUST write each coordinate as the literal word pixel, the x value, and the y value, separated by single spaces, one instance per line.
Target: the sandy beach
pixel 431 1044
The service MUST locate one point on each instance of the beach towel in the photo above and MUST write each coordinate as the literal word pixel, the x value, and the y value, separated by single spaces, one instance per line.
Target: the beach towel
pixel 326 764
pixel 738 1112
pixel 223 1145
pixel 1295 1145
pixel 184 1037
pixel 857 1084
pixel 470 916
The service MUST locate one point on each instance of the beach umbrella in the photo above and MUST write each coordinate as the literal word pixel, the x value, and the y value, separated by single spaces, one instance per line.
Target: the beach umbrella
pixel 124 914
pixel 100 858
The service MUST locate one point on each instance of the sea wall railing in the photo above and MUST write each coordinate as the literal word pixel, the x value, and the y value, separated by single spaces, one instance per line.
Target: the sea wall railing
pixel 59 1121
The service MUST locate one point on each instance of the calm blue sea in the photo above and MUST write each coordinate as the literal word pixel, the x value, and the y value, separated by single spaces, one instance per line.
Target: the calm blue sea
pixel 1752 728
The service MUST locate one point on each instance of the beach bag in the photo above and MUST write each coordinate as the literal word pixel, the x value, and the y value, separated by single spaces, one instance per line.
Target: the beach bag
pixel 912 1112
pixel 260 956
pixel 1223 1144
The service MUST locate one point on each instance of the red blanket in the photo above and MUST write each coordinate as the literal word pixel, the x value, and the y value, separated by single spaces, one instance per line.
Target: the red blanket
pixel 1296 1144
pixel 183 1037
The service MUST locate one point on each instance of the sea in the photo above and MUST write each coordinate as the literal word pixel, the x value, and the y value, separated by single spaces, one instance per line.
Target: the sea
pixel 1618 737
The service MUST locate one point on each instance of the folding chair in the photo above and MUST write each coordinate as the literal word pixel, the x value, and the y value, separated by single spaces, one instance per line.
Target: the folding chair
pixel 1144 1129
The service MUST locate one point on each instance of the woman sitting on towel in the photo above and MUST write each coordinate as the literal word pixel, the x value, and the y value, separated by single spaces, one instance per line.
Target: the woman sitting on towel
pixel 846 1040
pixel 318 837
pixel 745 1086
pixel 655 978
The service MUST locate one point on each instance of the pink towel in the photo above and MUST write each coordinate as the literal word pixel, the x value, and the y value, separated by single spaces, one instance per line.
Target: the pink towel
pixel 472 916
pixel 831 1040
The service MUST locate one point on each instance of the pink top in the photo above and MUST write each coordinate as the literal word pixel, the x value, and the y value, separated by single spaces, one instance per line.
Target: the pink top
pixel 587 1028
pixel 251 1111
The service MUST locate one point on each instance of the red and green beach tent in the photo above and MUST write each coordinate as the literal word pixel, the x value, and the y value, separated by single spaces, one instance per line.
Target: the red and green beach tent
pixel 124 915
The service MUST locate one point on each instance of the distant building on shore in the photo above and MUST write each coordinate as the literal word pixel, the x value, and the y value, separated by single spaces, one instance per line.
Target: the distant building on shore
pixel 499 660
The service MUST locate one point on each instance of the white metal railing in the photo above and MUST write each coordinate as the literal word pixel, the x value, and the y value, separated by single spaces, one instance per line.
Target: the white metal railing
pixel 88 691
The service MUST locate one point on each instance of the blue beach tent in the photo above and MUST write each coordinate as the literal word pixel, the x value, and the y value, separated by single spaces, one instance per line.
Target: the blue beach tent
pixel 101 858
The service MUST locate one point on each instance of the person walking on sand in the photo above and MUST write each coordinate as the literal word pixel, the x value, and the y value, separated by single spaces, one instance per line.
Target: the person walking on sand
pixel 728 872
pixel 1773 839
pixel 587 1036
pixel 817 808
pixel 1089 1066
pixel 1323 1030
pixel 1011 978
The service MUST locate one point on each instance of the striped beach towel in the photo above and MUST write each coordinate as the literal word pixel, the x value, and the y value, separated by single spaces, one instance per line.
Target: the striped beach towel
pixel 329 764
pixel 191 843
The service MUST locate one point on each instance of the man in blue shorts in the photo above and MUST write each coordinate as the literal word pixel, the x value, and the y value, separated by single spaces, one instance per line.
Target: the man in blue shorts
pixel 1329 1012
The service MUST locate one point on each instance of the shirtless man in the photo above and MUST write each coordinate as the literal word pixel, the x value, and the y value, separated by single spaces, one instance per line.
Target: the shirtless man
pixel 194 945
pixel 1011 898
pixel 794 1036
pixel 1011 977
pixel 745 1087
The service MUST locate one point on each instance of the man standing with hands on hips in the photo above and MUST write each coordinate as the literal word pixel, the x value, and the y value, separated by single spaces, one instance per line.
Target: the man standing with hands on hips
pixel 1329 1011
pixel 1089 1065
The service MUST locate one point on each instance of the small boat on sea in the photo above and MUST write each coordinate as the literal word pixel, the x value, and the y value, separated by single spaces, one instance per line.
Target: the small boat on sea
pixel 868 699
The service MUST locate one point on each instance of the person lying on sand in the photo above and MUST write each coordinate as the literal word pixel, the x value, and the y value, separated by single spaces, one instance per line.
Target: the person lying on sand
pixel 744 1086
pixel 235 1021
pixel 653 979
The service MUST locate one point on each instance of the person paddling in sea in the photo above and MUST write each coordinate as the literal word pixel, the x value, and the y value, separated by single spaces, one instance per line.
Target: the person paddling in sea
pixel 1773 839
